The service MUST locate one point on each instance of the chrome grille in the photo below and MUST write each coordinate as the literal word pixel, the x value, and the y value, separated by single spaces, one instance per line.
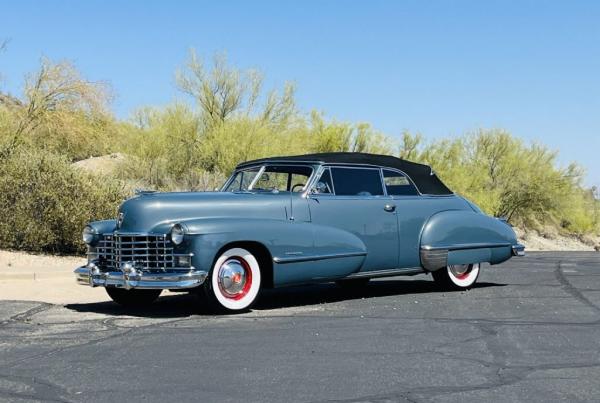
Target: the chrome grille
pixel 146 251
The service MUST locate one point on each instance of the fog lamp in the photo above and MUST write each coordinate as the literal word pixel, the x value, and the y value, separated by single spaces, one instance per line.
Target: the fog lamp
pixel 184 261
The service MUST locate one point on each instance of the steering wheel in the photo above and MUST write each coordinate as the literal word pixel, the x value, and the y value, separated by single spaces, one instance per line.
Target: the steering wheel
pixel 296 185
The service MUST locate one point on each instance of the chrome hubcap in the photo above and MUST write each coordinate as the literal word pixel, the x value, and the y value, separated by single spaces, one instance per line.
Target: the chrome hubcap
pixel 232 277
pixel 460 270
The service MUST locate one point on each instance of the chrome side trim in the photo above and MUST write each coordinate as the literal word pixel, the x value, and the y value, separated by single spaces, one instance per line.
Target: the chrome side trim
pixel 461 246
pixel 90 275
pixel 387 273
pixel 310 258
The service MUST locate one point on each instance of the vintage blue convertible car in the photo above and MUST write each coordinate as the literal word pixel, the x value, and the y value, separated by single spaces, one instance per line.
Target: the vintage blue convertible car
pixel 344 217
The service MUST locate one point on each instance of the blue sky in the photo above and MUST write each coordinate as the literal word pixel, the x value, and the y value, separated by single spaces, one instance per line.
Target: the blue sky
pixel 441 68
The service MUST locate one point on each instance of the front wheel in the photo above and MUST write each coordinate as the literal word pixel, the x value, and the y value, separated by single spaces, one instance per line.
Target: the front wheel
pixel 132 298
pixel 234 281
pixel 457 276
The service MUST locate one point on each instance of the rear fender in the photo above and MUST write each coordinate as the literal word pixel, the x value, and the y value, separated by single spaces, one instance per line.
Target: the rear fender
pixel 463 237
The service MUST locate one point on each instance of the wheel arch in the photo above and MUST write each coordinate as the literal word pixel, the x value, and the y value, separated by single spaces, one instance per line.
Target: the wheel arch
pixel 260 252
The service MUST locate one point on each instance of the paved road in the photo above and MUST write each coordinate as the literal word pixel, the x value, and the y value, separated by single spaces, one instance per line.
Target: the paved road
pixel 529 332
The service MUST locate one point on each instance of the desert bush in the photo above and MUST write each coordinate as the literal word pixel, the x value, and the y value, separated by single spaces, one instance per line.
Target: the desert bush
pixel 44 202
pixel 62 117
pixel 508 178
pixel 59 111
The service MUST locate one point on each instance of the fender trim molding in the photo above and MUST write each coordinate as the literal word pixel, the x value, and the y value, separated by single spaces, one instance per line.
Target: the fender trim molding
pixel 310 258
pixel 462 246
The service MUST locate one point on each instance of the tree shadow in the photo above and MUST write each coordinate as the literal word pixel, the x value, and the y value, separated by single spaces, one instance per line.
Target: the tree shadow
pixel 184 304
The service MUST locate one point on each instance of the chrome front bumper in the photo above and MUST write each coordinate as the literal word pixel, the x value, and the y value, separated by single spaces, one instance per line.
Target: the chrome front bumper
pixel 518 250
pixel 129 278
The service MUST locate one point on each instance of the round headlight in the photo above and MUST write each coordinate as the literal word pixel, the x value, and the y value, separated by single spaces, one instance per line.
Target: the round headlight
pixel 89 235
pixel 177 234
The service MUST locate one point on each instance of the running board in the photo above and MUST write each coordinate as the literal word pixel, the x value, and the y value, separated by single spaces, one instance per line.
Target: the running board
pixel 387 273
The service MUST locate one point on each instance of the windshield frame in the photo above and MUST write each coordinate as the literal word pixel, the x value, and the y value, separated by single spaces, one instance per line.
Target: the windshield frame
pixel 262 169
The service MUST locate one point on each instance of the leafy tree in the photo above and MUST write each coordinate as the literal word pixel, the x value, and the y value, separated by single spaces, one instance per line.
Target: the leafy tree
pixel 225 92
pixel 60 110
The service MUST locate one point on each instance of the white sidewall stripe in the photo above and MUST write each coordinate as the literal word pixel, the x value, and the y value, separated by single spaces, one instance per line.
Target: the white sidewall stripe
pixel 247 299
pixel 468 280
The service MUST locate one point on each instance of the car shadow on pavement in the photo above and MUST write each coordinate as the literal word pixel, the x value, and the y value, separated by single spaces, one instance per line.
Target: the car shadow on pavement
pixel 178 305
pixel 331 293
pixel 184 304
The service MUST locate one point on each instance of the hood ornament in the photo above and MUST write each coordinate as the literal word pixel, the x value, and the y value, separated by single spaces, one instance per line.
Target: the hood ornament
pixel 141 192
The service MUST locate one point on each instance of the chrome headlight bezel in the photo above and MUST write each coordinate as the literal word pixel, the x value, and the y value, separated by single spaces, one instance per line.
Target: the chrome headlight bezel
pixel 177 234
pixel 89 235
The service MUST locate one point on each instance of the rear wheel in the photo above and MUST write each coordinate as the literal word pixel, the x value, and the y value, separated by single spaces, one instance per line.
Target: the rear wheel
pixel 132 298
pixel 457 276
pixel 234 281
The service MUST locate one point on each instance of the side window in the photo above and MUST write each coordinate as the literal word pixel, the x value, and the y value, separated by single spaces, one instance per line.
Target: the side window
pixel 397 184
pixel 324 184
pixel 283 178
pixel 357 182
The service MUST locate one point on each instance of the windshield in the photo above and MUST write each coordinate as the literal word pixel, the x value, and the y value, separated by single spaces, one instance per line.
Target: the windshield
pixel 273 178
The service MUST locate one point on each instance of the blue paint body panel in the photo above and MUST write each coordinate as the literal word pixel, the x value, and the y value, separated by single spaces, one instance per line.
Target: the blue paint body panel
pixel 469 236
pixel 317 237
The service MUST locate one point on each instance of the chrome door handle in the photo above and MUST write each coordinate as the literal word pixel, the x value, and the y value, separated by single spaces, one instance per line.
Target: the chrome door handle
pixel 390 207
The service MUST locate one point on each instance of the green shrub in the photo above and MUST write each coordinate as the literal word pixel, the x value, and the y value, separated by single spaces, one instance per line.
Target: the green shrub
pixel 44 202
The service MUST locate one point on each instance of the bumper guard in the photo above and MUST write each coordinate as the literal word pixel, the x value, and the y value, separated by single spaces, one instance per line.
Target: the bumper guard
pixel 518 250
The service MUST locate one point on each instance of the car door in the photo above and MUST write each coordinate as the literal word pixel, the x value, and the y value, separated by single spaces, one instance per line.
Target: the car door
pixel 353 199
pixel 412 212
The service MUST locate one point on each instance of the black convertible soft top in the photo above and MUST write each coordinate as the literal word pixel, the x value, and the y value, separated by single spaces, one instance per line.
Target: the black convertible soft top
pixel 422 175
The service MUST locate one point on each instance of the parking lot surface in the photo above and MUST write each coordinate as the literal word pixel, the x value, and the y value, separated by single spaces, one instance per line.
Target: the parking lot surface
pixel 529 331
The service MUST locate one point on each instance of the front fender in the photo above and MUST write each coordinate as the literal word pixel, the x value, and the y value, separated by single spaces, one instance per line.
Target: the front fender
pixel 104 226
pixel 295 256
pixel 463 237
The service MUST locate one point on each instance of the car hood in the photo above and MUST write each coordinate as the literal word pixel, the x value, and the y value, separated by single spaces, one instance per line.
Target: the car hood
pixel 156 212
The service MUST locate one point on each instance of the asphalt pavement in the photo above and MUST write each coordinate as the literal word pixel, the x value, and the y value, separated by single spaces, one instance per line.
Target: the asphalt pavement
pixel 529 331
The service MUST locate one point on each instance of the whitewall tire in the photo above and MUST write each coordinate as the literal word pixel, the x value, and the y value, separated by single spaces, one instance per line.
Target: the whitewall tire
pixel 458 277
pixel 234 280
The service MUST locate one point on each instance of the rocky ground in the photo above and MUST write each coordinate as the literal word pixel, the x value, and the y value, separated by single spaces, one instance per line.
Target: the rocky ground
pixel 551 240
